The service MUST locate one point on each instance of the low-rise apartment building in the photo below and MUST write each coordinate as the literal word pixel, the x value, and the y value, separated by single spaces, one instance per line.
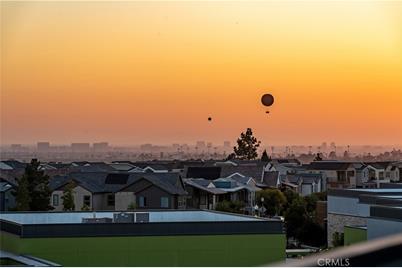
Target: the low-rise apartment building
pixel 362 208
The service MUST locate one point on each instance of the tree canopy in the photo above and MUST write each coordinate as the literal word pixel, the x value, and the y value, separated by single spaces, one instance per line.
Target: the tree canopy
pixel 265 157
pixel 22 195
pixel 68 198
pixel 33 192
pixel 247 146
pixel 273 200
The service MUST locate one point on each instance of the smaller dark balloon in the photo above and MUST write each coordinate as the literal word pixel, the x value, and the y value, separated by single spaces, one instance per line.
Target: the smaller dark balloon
pixel 267 99
pixel 209 119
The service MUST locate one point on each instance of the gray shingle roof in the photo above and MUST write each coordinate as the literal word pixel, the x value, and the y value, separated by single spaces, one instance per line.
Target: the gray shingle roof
pixel 306 178
pixel 202 184
pixel 15 164
pixel 379 165
pixel 95 182
pixel 208 173
pixel 329 165
pixel 253 171
pixel 5 186
pixel 270 179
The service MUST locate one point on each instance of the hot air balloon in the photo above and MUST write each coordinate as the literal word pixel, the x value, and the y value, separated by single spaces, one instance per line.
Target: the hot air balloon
pixel 267 100
pixel 209 118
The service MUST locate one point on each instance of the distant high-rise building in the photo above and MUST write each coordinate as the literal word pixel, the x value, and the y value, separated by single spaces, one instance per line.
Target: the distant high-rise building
pixel 80 147
pixel 324 146
pixel 100 146
pixel 146 147
pixel 200 144
pixel 16 147
pixel 43 146
pixel 176 146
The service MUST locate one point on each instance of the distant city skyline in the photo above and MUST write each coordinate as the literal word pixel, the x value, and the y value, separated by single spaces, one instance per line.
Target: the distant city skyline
pixel 195 143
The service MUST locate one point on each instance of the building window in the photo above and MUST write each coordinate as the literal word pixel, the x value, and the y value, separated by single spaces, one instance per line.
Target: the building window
pixel 142 201
pixel 164 202
pixel 110 200
pixel 182 202
pixel 388 174
pixel 55 200
pixel 87 200
pixel 341 176
pixel 381 175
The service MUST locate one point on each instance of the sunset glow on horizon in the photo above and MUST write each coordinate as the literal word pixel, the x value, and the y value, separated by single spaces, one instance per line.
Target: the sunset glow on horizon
pixel 139 72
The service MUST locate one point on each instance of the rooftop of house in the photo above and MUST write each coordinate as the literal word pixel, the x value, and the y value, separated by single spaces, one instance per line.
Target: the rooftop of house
pixel 269 179
pixel 305 178
pixel 203 184
pixel 5 186
pixel 14 164
pixel 328 165
pixel 286 161
pixel 107 182
pixel 220 185
pixel 208 173
pixel 254 171
pixel 356 192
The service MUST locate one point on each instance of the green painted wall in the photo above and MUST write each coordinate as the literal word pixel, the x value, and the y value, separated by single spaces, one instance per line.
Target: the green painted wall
pixel 354 235
pixel 203 250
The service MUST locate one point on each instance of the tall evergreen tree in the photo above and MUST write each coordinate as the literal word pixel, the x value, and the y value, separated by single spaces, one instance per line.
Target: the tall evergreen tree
pixel 68 198
pixel 22 195
pixel 265 157
pixel 37 185
pixel 247 146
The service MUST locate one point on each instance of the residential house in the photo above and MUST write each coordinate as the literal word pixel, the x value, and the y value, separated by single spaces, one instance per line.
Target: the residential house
pixel 303 183
pixel 377 210
pixel 336 174
pixel 118 191
pixel 384 172
pixel 7 199
pixel 205 194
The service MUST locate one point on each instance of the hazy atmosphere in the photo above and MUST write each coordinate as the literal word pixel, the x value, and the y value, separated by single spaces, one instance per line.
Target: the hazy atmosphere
pixel 137 72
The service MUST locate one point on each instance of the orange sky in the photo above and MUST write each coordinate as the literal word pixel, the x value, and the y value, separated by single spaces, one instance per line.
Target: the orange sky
pixel 137 72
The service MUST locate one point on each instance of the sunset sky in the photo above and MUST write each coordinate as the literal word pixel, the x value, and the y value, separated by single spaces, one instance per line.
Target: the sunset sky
pixel 139 72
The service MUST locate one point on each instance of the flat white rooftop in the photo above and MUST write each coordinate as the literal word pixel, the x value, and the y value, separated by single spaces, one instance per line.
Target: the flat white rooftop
pixel 389 190
pixel 154 216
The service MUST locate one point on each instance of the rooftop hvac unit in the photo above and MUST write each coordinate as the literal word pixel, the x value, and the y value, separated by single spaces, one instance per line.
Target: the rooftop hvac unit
pixel 141 217
pixel 123 217
pixel 97 220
